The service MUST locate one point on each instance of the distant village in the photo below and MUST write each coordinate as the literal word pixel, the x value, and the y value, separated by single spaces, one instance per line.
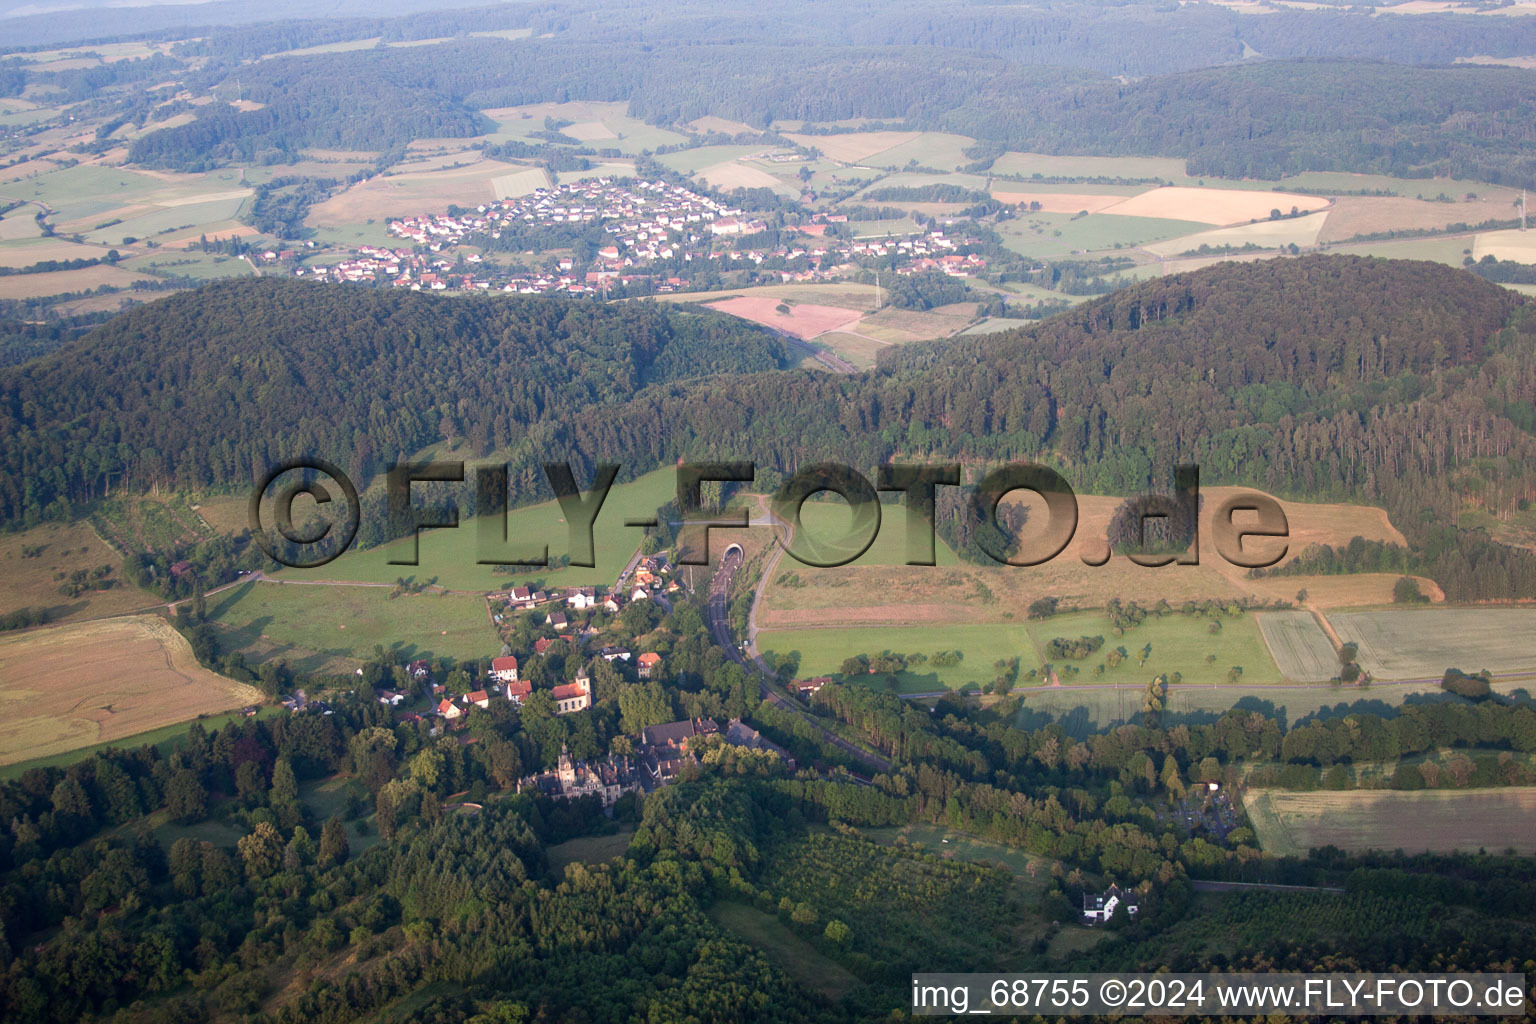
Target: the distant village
pixel 658 233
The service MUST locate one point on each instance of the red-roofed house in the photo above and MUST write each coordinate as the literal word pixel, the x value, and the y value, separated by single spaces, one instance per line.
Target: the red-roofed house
pixel 518 692
pixel 649 662
pixel 479 698
pixel 571 697
pixel 504 669
pixel 448 709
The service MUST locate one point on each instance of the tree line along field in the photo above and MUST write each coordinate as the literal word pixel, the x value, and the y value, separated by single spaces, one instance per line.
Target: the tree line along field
pixel 1439 821
pixel 91 682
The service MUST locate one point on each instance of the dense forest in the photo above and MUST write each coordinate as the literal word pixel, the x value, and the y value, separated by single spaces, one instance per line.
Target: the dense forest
pixel 205 387
pixel 1013 78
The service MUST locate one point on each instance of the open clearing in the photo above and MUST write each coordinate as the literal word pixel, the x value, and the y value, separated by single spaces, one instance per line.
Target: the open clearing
pixel 822 652
pixel 792 954
pixel 949 844
pixel 938 150
pixel 70 686
pixel 1423 644
pixel 803 321
pixel 448 557
pixel 342 621
pixel 32 583
pixel 1044 235
pixel 1213 205
pixel 853 147
pixel 589 849
pixel 1439 821
pixel 1299 646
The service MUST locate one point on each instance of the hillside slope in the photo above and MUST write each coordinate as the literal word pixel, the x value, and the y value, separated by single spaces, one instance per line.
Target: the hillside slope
pixel 202 388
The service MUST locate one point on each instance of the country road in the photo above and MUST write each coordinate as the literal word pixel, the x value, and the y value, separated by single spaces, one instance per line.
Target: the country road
pixel 718 611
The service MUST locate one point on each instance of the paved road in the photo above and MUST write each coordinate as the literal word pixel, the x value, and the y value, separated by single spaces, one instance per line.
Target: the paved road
pixel 718 608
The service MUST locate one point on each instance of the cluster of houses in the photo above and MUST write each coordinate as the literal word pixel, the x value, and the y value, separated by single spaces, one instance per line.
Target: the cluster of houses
pixel 647 223
pixel 660 753
pixel 505 684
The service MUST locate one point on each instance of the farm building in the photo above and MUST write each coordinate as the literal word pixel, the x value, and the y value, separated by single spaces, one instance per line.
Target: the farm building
pixel 1102 906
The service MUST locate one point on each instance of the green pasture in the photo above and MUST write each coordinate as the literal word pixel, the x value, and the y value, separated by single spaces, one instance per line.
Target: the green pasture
pixel 1180 643
pixel 449 556
pixel 822 651
pixel 349 621
pixel 1036 234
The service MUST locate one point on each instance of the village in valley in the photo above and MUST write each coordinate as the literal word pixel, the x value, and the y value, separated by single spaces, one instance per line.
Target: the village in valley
pixel 565 624
pixel 659 237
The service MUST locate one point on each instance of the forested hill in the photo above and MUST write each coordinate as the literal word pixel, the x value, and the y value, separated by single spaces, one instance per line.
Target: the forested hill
pixel 1261 119
pixel 1321 374
pixel 207 387
pixel 1394 382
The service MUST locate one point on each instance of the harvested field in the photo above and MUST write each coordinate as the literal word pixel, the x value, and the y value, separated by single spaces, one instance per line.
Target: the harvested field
pixel 833 293
pixel 1367 215
pixel 735 174
pixel 1439 821
pixel 862 593
pixel 27 252
pixel 1268 234
pixel 520 183
pixel 70 686
pixel 1345 591
pixel 858 349
pixel 1423 644
pixel 804 321
pixel 853 147
pixel 915 324
pixel 1299 646
pixel 939 150
pixel 61 282
pixel 588 131
pixel 711 123
pixel 1212 205
pixel 1519 246
pixel 32 583
pixel 403 195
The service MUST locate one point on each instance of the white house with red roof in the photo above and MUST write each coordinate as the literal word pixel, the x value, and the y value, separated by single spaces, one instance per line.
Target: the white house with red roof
pixel 571 697
pixel 504 668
